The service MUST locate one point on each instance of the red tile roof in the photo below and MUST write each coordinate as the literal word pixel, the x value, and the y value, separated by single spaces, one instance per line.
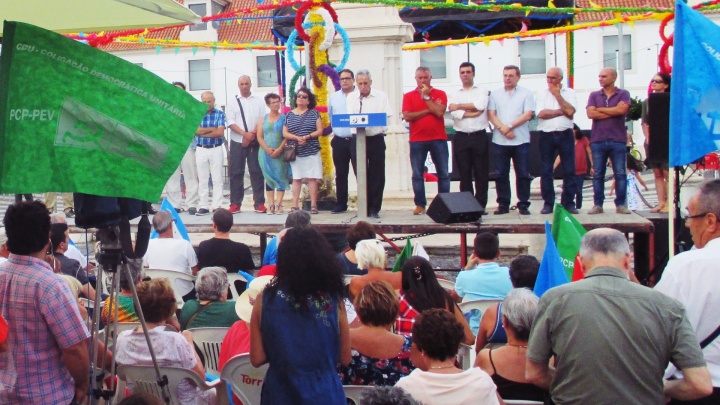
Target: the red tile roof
pixel 248 31
pixel 588 17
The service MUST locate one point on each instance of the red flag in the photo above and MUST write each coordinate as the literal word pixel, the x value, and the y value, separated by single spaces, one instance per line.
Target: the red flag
pixel 577 270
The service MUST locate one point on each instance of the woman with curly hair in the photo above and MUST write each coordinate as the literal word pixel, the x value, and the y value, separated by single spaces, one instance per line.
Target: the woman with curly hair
pixel 299 325
pixel 436 338
pixel 421 291
pixel 379 356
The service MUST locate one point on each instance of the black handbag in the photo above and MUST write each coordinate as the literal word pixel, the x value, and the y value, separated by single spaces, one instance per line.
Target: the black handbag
pixel 289 152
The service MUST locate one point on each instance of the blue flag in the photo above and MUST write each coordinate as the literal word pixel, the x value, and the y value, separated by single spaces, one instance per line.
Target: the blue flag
pixel 178 226
pixel 695 91
pixel 552 271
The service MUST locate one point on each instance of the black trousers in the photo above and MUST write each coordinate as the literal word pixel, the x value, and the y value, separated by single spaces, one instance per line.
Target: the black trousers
pixel 713 399
pixel 239 156
pixel 375 153
pixel 471 154
pixel 342 157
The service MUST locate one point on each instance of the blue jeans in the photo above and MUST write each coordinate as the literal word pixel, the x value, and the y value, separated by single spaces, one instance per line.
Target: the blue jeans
pixel 564 143
pixel 418 154
pixel 520 155
pixel 617 153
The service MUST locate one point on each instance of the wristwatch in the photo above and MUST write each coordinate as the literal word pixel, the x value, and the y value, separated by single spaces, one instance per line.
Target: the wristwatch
pixel 426 98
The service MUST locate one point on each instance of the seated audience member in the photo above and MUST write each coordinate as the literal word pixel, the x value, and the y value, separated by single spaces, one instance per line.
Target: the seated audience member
pixel 348 262
pixel 220 251
pixel 72 251
pixel 295 219
pixel 371 257
pixel 436 380
pixel 387 396
pixel 523 272
pixel 506 364
pixel 166 253
pixel 483 278
pixel 421 291
pixel 59 237
pixel 142 398
pixel 172 349
pixel 379 356
pixel 211 309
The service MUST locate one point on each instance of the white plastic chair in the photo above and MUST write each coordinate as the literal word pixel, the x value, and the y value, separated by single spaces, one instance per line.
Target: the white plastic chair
pixel 521 402
pixel 466 356
pixel 446 284
pixel 144 379
pixel 354 392
pixel 209 341
pixel 232 277
pixel 173 276
pixel 466 353
pixel 246 381
pixel 349 277
pixel 480 305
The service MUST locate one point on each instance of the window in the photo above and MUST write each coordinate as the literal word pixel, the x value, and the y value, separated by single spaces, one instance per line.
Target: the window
pixel 199 74
pixel 434 58
pixel 201 10
pixel 611 49
pixel 266 72
pixel 532 57
pixel 216 8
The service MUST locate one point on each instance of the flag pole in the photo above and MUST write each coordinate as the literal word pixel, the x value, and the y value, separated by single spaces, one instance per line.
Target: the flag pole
pixel 672 201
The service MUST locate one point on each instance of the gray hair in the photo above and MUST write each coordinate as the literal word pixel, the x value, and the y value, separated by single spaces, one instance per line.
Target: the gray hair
pixel 604 241
pixel 423 69
pixel 297 218
pixel 520 308
pixel 370 253
pixel 364 72
pixel 709 198
pixel 210 283
pixel 387 395
pixel 162 221
pixel 57 219
pixel 135 267
pixel 559 69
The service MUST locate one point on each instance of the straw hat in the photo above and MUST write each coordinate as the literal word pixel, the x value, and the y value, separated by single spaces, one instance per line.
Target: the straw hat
pixel 244 304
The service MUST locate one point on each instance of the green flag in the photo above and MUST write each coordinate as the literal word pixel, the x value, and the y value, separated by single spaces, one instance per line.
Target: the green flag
pixel 567 233
pixel 403 256
pixel 76 119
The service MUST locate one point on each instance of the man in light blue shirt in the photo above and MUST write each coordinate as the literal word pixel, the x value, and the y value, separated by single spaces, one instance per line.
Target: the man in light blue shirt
pixel 483 278
pixel 509 110
pixel 342 142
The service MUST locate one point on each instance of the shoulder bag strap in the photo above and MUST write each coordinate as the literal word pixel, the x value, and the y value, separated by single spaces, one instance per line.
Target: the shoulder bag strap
pixel 202 308
pixel 710 338
pixel 242 113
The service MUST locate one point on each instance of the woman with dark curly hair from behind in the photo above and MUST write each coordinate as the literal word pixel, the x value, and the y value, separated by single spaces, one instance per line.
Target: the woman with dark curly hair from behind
pixel 437 381
pixel 299 325
pixel 172 349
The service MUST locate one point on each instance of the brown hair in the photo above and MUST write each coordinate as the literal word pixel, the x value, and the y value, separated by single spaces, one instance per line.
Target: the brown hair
pixel 360 231
pixel 437 333
pixel 157 299
pixel 377 304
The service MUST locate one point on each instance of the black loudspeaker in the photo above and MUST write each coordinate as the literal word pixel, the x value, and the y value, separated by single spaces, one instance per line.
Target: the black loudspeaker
pixel 450 208
pixel 659 123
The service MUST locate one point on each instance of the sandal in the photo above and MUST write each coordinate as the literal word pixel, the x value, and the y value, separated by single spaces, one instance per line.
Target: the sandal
pixel 279 209
pixel 271 210
pixel 314 210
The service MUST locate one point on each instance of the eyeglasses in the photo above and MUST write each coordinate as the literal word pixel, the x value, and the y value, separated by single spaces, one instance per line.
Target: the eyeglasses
pixel 689 217
pixel 656 81
pixel 553 77
pixel 346 78
pixel 302 96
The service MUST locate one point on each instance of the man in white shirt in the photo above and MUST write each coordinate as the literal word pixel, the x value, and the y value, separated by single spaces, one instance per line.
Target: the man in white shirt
pixel 471 145
pixel 556 108
pixel 243 115
pixel 166 253
pixel 343 141
pixel 693 278
pixel 368 100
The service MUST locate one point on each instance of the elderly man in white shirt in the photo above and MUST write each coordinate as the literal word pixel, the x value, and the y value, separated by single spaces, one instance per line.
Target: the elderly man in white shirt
pixel 369 100
pixel 243 115
pixel 471 144
pixel 556 108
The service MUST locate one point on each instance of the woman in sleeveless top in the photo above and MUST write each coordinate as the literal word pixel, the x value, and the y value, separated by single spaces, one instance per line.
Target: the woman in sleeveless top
pixel 299 324
pixel 275 170
pixel 506 364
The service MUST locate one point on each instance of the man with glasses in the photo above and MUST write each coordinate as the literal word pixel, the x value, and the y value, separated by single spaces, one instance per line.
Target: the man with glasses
pixel 423 108
pixel 468 108
pixel 509 110
pixel 343 141
pixel 607 109
pixel 693 278
pixel 556 108
pixel 369 100
pixel 209 154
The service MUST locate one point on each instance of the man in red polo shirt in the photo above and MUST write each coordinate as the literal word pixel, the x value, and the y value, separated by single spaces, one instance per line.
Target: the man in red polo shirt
pixel 424 108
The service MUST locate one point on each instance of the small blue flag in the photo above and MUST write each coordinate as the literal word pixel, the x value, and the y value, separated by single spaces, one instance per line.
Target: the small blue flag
pixel 178 226
pixel 695 91
pixel 552 271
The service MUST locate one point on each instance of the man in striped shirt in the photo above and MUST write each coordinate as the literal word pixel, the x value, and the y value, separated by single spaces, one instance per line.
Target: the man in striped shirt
pixel 209 154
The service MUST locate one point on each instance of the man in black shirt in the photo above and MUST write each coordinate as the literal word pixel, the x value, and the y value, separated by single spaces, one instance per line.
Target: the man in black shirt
pixel 220 250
